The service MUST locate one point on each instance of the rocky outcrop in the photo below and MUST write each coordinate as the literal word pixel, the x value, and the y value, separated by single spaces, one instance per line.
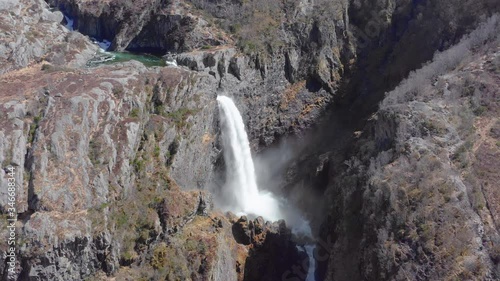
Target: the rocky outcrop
pixel 151 26
pixel 92 149
pixel 410 203
pixel 267 80
pixel 396 37
pixel 39 38
pixel 87 140
pixel 272 252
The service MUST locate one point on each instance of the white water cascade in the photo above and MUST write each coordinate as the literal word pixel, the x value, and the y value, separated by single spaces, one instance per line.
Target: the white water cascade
pixel 241 183
pixel 241 180
pixel 69 23
pixel 312 262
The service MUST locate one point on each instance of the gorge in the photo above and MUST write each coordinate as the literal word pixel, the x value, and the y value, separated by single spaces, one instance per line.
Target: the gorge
pixel 283 140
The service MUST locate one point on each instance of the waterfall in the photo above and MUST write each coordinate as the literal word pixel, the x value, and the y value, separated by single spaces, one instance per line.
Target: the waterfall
pixel 241 183
pixel 241 179
pixel 312 262
pixel 69 22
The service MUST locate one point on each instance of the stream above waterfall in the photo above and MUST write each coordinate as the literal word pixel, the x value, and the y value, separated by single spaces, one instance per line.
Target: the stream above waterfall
pixel 104 57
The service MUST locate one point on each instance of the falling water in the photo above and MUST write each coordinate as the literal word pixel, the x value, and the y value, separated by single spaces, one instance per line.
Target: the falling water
pixel 242 182
pixel 241 179
pixel 69 23
pixel 312 262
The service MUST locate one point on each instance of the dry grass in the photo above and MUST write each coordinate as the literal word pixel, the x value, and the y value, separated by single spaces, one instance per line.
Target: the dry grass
pixel 290 94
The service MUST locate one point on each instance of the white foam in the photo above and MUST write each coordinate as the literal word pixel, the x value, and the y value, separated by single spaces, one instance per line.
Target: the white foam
pixel 69 23
pixel 242 184
pixel 240 168
pixel 312 262
pixel 171 63
pixel 104 45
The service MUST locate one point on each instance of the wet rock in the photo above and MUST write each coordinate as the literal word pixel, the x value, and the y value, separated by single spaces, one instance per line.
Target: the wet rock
pixel 242 231
pixel 274 254
pixel 259 225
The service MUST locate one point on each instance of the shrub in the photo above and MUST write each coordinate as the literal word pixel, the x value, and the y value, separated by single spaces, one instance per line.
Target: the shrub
pixel 156 152
pixel 442 62
pixel 138 164
pixel 46 66
pixel 179 116
pixel 159 256
pixel 94 151
pixel 134 113
pixel 33 127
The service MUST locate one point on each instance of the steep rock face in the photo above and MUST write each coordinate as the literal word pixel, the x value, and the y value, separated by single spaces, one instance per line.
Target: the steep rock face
pixel 296 60
pixel 100 152
pixel 412 202
pixel 105 20
pixel 289 79
pixel 32 33
pixel 292 62
pixel 100 121
pixel 87 143
pixel 176 33
pixel 89 136
pixel 146 26
pixel 396 37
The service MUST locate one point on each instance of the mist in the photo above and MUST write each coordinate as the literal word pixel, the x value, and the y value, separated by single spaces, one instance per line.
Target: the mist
pixel 257 185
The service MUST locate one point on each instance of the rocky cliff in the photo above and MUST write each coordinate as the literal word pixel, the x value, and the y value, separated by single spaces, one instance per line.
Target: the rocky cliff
pixel 115 163
pixel 415 200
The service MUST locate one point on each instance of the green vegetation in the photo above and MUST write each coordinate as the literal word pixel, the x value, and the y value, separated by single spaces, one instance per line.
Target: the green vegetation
pixel 138 164
pixel 160 256
pixel 133 222
pixel 46 66
pixel 33 127
pixel 94 152
pixel 134 113
pixel 180 116
pixel 195 245
pixel 156 152
pixel 461 156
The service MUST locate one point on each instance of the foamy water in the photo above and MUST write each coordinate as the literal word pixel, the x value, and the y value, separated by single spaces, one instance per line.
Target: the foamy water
pixel 241 181
pixel 240 167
